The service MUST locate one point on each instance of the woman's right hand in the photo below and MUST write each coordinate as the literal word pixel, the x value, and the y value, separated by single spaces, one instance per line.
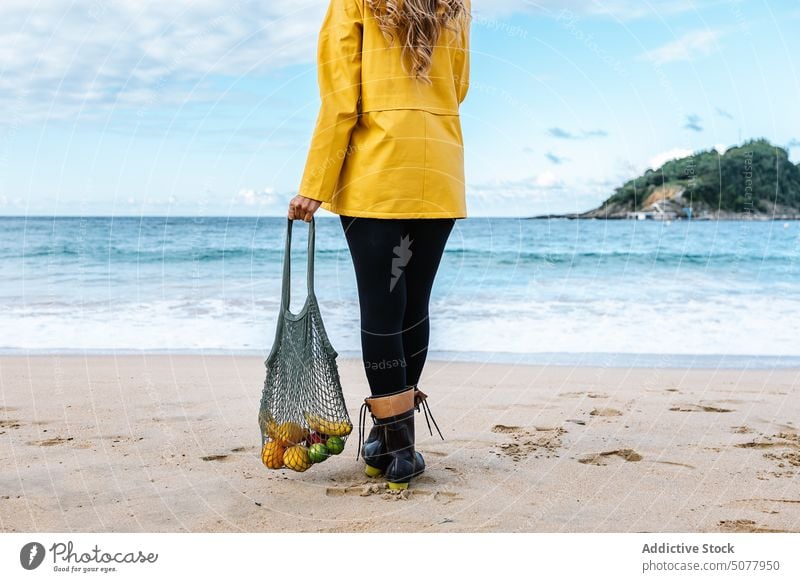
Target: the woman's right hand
pixel 302 208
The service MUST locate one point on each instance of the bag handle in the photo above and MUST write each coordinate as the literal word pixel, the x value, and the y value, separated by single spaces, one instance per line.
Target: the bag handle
pixel 287 257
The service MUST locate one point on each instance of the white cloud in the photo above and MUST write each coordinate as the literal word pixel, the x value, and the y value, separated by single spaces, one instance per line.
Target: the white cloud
pixel 537 194
pixel 534 187
pixel 547 180
pixel 675 153
pixel 87 57
pixel 686 48
pixel 252 197
pixel 62 58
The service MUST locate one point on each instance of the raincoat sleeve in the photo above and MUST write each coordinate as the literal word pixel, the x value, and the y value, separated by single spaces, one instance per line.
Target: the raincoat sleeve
pixel 339 77
pixel 461 61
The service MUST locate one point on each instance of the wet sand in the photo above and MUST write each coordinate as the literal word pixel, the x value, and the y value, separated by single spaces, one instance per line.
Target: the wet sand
pixel 159 443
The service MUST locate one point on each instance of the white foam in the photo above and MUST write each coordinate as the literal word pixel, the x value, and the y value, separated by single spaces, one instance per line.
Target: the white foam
pixel 745 325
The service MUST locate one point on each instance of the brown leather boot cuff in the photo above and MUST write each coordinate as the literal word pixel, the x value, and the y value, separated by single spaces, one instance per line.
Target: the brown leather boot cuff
pixel 388 406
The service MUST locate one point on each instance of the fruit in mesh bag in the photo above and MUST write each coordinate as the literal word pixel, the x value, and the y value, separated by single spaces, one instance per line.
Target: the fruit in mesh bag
pixel 272 455
pixel 335 445
pixel 314 438
pixel 290 433
pixel 328 427
pixel 296 458
pixel 318 452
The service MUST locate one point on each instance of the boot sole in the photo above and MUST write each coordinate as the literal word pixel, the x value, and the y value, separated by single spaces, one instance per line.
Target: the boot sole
pixel 373 471
pixel 403 485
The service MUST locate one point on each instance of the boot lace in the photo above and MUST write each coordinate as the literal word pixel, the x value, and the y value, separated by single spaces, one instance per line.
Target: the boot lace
pixel 362 420
pixel 419 399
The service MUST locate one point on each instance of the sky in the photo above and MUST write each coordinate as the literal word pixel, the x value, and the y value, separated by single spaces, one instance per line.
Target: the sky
pixel 207 107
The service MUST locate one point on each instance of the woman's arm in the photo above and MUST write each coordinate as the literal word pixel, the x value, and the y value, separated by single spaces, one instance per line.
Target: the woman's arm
pixel 339 78
pixel 461 61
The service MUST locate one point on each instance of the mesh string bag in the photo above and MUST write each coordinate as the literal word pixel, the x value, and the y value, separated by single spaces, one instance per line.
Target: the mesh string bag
pixel 303 416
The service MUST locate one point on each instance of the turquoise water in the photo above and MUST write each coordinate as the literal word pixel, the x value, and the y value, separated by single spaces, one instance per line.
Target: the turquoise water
pixel 529 289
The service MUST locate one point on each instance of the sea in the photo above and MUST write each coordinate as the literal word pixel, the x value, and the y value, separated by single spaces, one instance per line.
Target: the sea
pixel 554 291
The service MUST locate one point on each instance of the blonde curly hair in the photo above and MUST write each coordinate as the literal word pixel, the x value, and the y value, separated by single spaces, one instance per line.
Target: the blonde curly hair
pixel 418 24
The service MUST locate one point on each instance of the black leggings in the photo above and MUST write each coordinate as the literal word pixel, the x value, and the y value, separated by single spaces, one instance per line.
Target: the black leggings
pixel 395 262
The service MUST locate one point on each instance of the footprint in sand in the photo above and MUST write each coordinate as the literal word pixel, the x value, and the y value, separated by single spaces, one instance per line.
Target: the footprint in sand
pixel 766 505
pixel 382 489
pixel 600 458
pixel 587 394
pixel 767 475
pixel 791 458
pixel 741 429
pixel 605 412
pixel 51 441
pixel 443 497
pixel 789 436
pixel 785 460
pixel 784 440
pixel 699 408
pixel 214 458
pixel 446 497
pixel 526 441
pixel 760 445
pixel 745 526
pixel 359 489
pixel 54 441
pixel 502 428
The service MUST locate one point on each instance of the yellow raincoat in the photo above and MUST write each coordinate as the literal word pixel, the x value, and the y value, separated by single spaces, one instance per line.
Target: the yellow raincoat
pixel 386 145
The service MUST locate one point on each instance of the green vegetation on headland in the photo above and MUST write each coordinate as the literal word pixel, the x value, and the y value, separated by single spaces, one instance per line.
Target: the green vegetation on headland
pixel 754 180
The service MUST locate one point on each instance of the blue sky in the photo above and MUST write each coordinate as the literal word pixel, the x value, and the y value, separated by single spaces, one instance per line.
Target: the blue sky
pixel 206 107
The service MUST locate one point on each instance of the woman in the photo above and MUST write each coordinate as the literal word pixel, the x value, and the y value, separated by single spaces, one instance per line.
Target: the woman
pixel 387 155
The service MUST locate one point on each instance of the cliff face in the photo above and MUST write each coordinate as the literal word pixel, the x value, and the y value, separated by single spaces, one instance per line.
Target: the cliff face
pixel 754 180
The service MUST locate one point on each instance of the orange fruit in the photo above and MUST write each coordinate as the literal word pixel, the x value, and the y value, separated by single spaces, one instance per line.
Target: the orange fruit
pixel 272 455
pixel 290 433
pixel 296 458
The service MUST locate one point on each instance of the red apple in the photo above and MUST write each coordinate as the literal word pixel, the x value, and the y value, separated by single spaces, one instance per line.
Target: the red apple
pixel 314 438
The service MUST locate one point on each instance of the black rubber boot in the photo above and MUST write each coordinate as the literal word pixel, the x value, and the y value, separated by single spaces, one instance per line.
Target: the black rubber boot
pixel 374 449
pixel 406 461
pixel 384 411
pixel 374 452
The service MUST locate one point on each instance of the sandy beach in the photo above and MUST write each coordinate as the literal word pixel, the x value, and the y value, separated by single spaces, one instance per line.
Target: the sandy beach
pixel 171 444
